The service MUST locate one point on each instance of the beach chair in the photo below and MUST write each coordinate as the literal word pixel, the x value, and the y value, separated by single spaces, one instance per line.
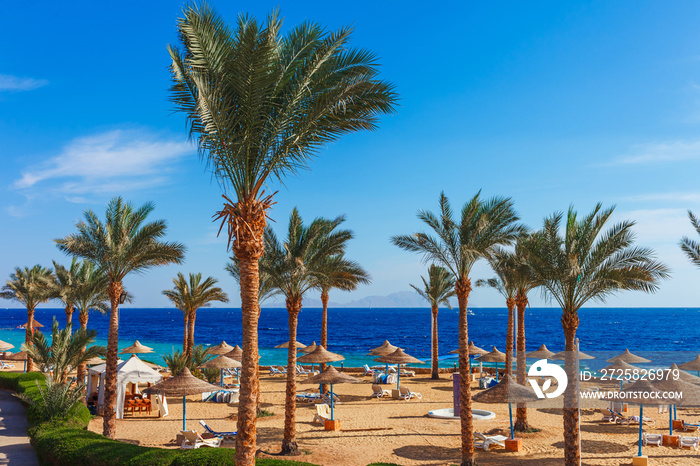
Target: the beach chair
pixel 323 413
pixel 193 440
pixel 379 392
pixel 6 366
pixel 690 427
pixel 368 371
pixel 485 441
pixel 406 394
pixel 405 373
pixel 302 371
pixel 225 435
pixel 625 421
pixel 652 439
pixel 275 371
pixel 689 442
pixel 325 398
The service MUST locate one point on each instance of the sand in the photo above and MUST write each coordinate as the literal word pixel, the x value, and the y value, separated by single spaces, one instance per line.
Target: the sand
pixel 386 430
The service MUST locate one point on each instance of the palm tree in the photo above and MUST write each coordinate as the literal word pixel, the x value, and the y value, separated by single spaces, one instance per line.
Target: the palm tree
pixel 583 263
pixel 503 264
pixel 260 105
pixel 65 352
pixel 90 293
pixel 65 292
pixel 690 247
pixel 437 289
pixel 31 287
pixel 123 244
pixel 294 267
pixel 190 296
pixel 484 224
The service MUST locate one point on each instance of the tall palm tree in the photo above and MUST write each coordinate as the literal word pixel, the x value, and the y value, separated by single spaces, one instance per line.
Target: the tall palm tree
pixel 503 264
pixel 525 281
pixel 31 287
pixel 690 247
pixel 123 244
pixel 484 224
pixel 65 290
pixel 437 289
pixel 294 267
pixel 65 352
pixel 91 294
pixel 260 104
pixel 582 263
pixel 190 296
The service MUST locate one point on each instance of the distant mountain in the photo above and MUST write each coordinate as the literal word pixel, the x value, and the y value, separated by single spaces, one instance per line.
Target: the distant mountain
pixel 399 299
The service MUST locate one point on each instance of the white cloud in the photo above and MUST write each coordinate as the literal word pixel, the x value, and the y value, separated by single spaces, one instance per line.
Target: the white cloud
pixel 13 83
pixel 114 161
pixel 653 153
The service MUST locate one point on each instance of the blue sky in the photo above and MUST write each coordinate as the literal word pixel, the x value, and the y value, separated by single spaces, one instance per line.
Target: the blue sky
pixel 557 104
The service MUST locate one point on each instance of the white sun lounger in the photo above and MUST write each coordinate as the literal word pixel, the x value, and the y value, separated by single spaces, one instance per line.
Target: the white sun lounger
pixel 323 413
pixel 406 394
pixel 689 442
pixel 193 440
pixel 485 441
pixel 379 392
pixel 652 439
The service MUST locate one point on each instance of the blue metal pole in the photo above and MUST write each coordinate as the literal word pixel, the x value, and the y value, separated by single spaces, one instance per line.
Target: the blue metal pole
pixel 222 377
pixel 184 411
pixel 641 423
pixel 398 377
pixel 331 402
pixel 670 419
pixel 510 413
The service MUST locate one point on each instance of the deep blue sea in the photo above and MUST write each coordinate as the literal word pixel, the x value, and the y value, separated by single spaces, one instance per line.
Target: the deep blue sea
pixel 603 332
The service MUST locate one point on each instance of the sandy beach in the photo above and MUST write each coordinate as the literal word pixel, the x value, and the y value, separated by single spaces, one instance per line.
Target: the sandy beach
pixel 386 430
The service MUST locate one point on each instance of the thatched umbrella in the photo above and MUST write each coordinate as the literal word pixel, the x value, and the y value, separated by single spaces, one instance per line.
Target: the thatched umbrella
pixel 685 376
pixel 331 376
pixel 94 360
pixel 236 353
pixel 182 385
pixel 309 349
pixel 561 356
pixel 34 327
pixel 622 368
pixel 18 356
pixel 298 345
pixel 540 353
pixel 690 393
pixel 507 391
pixel 221 348
pixel 643 386
pixel 629 357
pixel 4 346
pixel 693 365
pixel 320 355
pixel 222 362
pixel 473 350
pixel 494 356
pixel 399 357
pixel 383 350
pixel 136 348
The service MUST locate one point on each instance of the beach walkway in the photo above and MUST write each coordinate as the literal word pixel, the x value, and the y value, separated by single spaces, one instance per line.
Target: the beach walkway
pixel 15 448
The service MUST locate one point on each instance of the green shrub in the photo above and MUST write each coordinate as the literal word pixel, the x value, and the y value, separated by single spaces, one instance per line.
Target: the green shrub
pixel 55 400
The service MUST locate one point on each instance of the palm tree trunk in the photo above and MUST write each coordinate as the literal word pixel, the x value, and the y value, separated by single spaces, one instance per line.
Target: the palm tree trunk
pixel 29 331
pixel 186 337
pixel 248 246
pixel 69 316
pixel 434 337
pixel 463 287
pixel 572 457
pixel 109 428
pixel 521 423
pixel 324 330
pixel 510 303
pixel 83 319
pixel 289 442
pixel 190 334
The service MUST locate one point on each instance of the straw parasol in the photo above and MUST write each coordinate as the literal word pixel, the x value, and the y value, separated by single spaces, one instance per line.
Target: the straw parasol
pixel 136 348
pixel 398 357
pixel 308 349
pixel 507 391
pixel 331 376
pixel 182 385
pixel 94 360
pixel 286 345
pixel 494 356
pixel 236 353
pixel 320 355
pixel 642 386
pixel 473 350
pixel 18 356
pixel 540 353
pixel 561 356
pixel 629 357
pixel 222 362
pixel 35 326
pixel 386 348
pixel 619 365
pixel 693 365
pixel 685 376
pixel 4 346
pixel 221 348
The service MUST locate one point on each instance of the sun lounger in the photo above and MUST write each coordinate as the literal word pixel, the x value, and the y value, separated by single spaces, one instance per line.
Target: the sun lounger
pixel 308 397
pixel 379 392
pixel 610 416
pixel 193 440
pixel 406 394
pixel 323 413
pixel 689 442
pixel 225 435
pixel 690 427
pixel 405 373
pixel 368 371
pixel 485 441
pixel 625 421
pixel 652 439
pixel 325 398
pixel 276 371
pixel 6 366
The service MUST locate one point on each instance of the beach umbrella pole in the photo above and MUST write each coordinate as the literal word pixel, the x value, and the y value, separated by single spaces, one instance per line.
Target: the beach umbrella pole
pixel 184 411
pixel 222 377
pixel 331 402
pixel 398 377
pixel 510 414
pixel 641 423
pixel 670 419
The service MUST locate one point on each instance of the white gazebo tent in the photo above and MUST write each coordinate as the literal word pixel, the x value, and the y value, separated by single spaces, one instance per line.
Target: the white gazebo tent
pixel 132 371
